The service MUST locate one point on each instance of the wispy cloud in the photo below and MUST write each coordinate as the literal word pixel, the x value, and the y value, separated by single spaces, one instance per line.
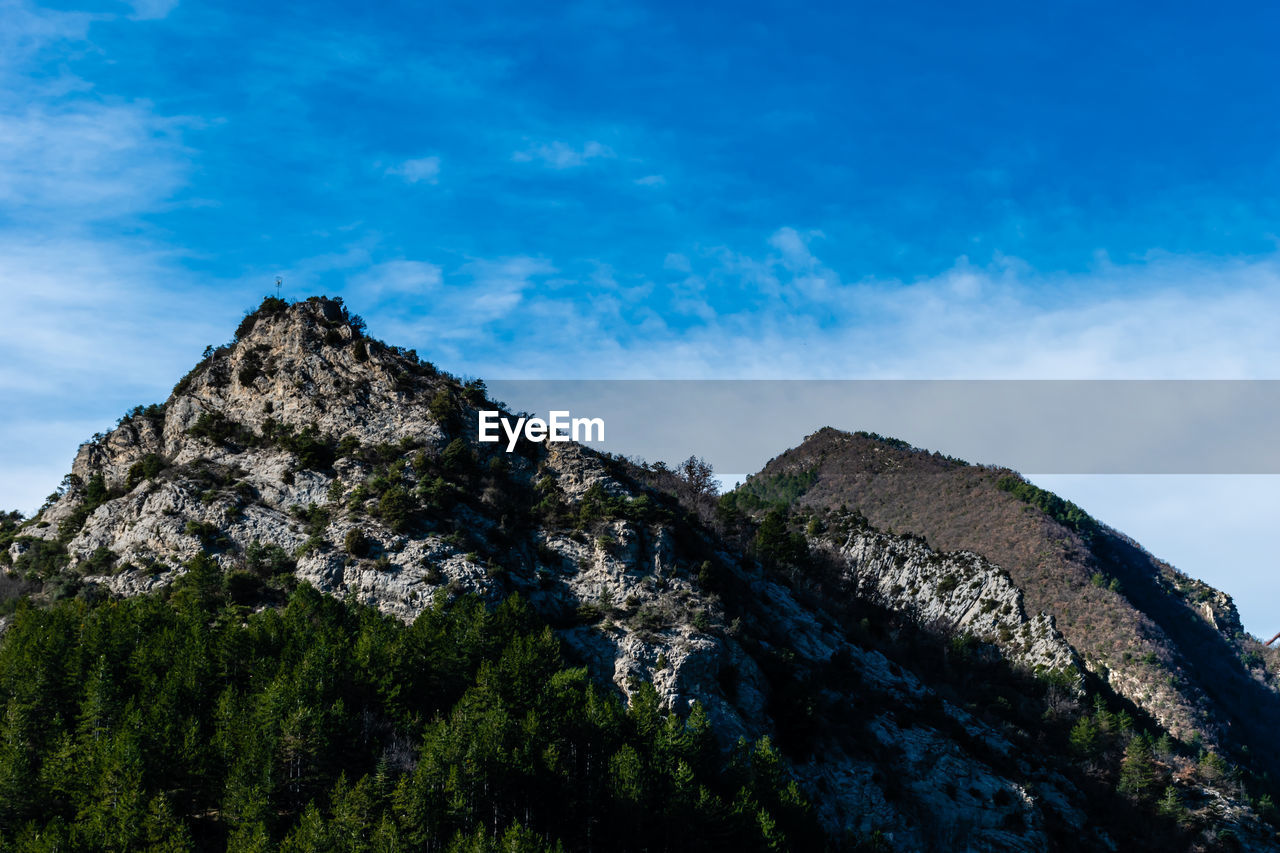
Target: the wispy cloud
pixel 152 10
pixel 561 155
pixel 425 170
pixel 784 313
pixel 84 304
pixel 86 159
pixel 457 313
pixel 69 154
pixel 496 287
pixel 794 247
pixel 650 181
pixel 103 317
pixel 400 277
pixel 99 327
pixel 29 29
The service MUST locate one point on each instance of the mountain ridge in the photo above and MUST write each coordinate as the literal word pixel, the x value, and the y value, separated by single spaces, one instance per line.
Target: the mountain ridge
pixel 306 455
pixel 1064 561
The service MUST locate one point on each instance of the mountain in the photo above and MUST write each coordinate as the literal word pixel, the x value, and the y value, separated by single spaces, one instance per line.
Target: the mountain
pixel 1167 642
pixel 299 606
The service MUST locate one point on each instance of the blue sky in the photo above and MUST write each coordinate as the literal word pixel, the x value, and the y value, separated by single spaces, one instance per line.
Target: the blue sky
pixel 660 190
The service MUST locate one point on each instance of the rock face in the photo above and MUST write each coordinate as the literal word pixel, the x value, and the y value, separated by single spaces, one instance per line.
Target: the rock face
pixel 960 592
pixel 305 452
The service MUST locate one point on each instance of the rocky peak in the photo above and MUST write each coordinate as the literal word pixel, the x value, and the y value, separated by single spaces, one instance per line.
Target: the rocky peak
pixel 295 367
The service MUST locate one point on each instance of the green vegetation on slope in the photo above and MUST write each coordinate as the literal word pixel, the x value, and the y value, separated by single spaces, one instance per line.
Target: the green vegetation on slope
pixel 1062 511
pixel 190 723
pixel 778 490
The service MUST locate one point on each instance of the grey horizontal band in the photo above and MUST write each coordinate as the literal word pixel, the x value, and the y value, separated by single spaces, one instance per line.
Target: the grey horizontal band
pixel 1033 426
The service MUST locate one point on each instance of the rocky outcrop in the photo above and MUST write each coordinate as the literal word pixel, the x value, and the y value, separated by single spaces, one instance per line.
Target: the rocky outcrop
pixel 958 592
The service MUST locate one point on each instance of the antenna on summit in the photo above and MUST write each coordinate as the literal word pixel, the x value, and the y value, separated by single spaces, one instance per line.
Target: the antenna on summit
pixel 279 282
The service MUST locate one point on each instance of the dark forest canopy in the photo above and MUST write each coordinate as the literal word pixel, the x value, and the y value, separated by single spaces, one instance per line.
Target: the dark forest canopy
pixel 187 723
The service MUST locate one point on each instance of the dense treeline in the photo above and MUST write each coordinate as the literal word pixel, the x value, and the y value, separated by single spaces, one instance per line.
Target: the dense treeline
pixel 1060 510
pixel 184 722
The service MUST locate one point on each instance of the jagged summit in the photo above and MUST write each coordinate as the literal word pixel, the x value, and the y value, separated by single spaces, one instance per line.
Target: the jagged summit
pixel 300 406
pixel 302 366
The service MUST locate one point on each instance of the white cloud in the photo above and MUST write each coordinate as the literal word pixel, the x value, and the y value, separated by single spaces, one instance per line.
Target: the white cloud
pixel 424 170
pixel 87 160
pixel 787 314
pixel 458 314
pixel 152 10
pixel 95 324
pixel 651 181
pixel 70 155
pixel 496 287
pixel 794 248
pixel 80 308
pixel 94 328
pixel 677 262
pixel 395 277
pixel 28 29
pixel 561 155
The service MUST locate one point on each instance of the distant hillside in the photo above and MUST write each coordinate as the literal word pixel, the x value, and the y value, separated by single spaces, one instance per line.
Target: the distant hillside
pixel 1170 643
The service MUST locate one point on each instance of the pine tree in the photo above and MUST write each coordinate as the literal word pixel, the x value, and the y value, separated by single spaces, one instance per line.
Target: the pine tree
pixel 311 835
pixel 164 832
pixel 1084 737
pixel 1170 805
pixel 17 765
pixel 1138 775
pixel 353 813
pixel 114 815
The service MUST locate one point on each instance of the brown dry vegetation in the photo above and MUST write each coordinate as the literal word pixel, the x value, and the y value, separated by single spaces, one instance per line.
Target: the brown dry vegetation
pixel 1137 622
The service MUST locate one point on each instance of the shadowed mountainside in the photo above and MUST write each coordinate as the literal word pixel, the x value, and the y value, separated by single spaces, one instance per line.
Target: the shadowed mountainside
pixel 1170 643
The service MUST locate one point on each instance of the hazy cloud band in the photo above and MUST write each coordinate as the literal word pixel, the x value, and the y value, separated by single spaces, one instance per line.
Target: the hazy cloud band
pixel 1034 426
